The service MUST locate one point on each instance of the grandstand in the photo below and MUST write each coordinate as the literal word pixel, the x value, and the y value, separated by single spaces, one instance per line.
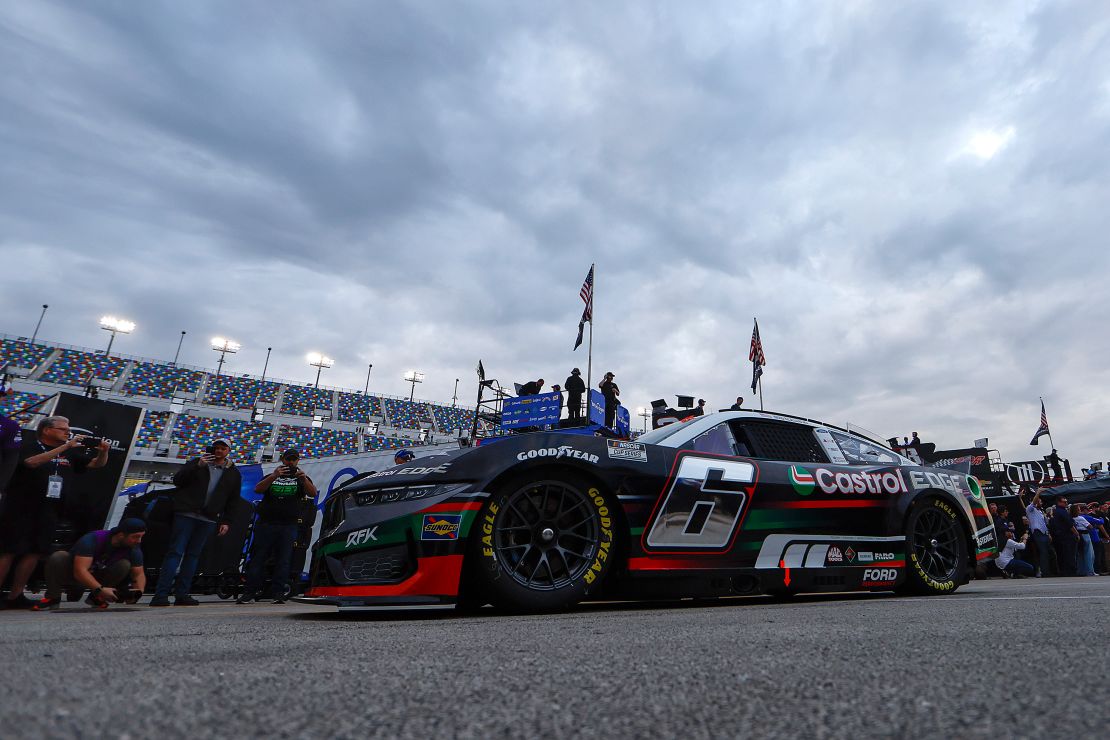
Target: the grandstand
pixel 240 392
pixel 162 381
pixel 407 414
pixel 358 408
pixel 11 403
pixel 73 367
pixel 302 400
pixel 186 408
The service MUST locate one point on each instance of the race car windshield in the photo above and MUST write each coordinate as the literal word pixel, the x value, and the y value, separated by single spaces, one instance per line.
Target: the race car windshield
pixel 655 436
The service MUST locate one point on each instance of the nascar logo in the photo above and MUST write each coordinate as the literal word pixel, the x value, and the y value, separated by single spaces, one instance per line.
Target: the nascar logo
pixel 802 480
pixel 445 527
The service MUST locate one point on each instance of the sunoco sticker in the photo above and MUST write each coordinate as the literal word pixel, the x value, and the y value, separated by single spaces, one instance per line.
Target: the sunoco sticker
pixel 634 451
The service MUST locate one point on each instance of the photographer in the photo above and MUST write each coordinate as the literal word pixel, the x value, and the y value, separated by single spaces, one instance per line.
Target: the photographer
pixel 284 493
pixel 206 488
pixel 1008 561
pixel 29 510
pixel 101 561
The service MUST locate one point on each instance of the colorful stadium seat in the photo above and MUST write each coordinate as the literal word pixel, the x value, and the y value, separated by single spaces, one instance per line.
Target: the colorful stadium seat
pixel 303 399
pixel 240 393
pixel 22 354
pixel 317 442
pixel 77 368
pixel 358 408
pixel 194 433
pixel 160 381
pixel 450 419
pixel 11 403
pixel 150 433
pixel 407 414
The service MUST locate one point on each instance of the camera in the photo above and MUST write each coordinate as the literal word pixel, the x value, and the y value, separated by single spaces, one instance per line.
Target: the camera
pixel 92 441
pixel 290 469
pixel 210 450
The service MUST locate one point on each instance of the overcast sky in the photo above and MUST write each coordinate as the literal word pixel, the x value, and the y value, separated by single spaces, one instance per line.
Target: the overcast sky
pixel 913 199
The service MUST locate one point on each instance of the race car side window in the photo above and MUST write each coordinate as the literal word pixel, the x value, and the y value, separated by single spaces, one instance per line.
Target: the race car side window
pixel 777 440
pixel 718 440
pixel 861 452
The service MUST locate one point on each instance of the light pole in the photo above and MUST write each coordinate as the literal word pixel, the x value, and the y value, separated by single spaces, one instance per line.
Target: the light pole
pixel 266 364
pixel 413 377
pixel 455 397
pixel 178 352
pixel 366 390
pixel 224 347
pixel 644 414
pixel 36 333
pixel 115 326
pixel 319 362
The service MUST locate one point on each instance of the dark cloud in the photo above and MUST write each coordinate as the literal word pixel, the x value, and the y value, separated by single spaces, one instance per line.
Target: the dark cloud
pixel 419 186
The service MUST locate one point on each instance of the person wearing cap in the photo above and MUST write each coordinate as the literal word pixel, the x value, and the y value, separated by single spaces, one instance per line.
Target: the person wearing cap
pixel 575 388
pixel 699 410
pixel 284 492
pixel 739 405
pixel 207 487
pixel 610 391
pixel 102 561
pixel 402 456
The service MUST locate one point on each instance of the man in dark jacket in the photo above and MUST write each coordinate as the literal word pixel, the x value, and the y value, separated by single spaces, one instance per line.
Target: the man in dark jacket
pixel 207 487
pixel 531 388
pixel 610 391
pixel 1064 537
pixel 575 387
pixel 284 493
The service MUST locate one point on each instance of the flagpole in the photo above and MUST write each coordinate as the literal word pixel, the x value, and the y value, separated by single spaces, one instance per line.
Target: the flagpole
pixel 761 391
pixel 590 349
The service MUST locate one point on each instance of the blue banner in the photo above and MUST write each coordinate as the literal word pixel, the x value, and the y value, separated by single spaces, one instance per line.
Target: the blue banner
pixel 597 407
pixel 531 411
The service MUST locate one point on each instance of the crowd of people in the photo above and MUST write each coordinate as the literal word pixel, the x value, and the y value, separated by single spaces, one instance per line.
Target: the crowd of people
pixel 575 389
pixel 1057 539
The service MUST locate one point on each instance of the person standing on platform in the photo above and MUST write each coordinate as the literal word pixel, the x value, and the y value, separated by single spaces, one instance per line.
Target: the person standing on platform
pixel 28 513
pixel 610 391
pixel 739 405
pixel 284 493
pixel 575 388
pixel 207 486
pixel 699 410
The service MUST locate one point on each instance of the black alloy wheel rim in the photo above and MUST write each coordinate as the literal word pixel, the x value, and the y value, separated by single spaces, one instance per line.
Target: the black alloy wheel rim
pixel 547 535
pixel 936 543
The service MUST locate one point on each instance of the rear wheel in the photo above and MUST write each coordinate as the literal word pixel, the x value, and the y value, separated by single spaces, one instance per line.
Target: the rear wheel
pixel 936 548
pixel 544 543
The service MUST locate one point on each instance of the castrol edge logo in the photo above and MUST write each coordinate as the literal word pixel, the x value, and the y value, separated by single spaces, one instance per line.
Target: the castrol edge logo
pixel 888 482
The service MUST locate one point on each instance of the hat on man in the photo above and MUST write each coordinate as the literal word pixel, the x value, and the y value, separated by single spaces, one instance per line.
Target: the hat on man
pixel 131 525
pixel 575 371
pixel 291 453
pixel 221 441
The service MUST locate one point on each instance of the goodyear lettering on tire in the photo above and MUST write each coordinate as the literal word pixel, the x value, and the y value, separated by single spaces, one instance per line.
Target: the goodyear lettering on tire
pixel 606 538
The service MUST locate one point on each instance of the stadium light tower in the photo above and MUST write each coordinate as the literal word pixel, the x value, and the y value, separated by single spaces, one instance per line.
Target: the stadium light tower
pixel 643 413
pixel 115 326
pixel 413 377
pixel 35 335
pixel 224 347
pixel 319 362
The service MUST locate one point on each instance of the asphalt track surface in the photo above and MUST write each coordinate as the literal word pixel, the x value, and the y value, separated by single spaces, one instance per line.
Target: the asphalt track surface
pixel 1017 658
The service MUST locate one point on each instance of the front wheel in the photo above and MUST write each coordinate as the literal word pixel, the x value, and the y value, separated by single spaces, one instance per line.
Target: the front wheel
pixel 936 549
pixel 544 544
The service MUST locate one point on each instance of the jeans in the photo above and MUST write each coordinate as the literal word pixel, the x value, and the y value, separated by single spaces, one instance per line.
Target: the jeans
pixel 1044 556
pixel 187 539
pixel 1065 544
pixel 275 538
pixel 1086 560
pixel 1019 568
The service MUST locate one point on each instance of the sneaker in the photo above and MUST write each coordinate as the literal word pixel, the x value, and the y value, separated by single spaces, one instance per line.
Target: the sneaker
pixel 46 604
pixel 279 600
pixel 19 602
pixel 96 602
pixel 160 601
pixel 185 601
pixel 246 598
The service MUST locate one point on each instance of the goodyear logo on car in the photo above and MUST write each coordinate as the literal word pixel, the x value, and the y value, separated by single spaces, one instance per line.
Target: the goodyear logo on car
pixel 441 527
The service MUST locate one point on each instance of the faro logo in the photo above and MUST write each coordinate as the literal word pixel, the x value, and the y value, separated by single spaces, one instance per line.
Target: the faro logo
pixel 880 575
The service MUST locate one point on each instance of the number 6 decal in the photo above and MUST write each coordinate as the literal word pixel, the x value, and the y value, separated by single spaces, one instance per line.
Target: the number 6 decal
pixel 704 505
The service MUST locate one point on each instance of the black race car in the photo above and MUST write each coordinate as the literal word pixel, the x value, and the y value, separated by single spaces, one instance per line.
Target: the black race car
pixel 737 502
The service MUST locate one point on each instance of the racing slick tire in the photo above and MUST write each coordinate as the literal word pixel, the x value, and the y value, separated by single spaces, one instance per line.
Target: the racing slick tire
pixel 936 548
pixel 544 542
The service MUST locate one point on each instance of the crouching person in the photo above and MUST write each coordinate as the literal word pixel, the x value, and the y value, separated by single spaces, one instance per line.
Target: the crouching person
pixel 105 562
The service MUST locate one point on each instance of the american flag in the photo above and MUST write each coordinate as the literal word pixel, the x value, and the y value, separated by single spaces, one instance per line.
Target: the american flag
pixel 755 354
pixel 1043 428
pixel 587 296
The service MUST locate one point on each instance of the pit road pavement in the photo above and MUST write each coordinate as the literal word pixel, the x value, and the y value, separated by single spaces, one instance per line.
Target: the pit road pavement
pixel 998 658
